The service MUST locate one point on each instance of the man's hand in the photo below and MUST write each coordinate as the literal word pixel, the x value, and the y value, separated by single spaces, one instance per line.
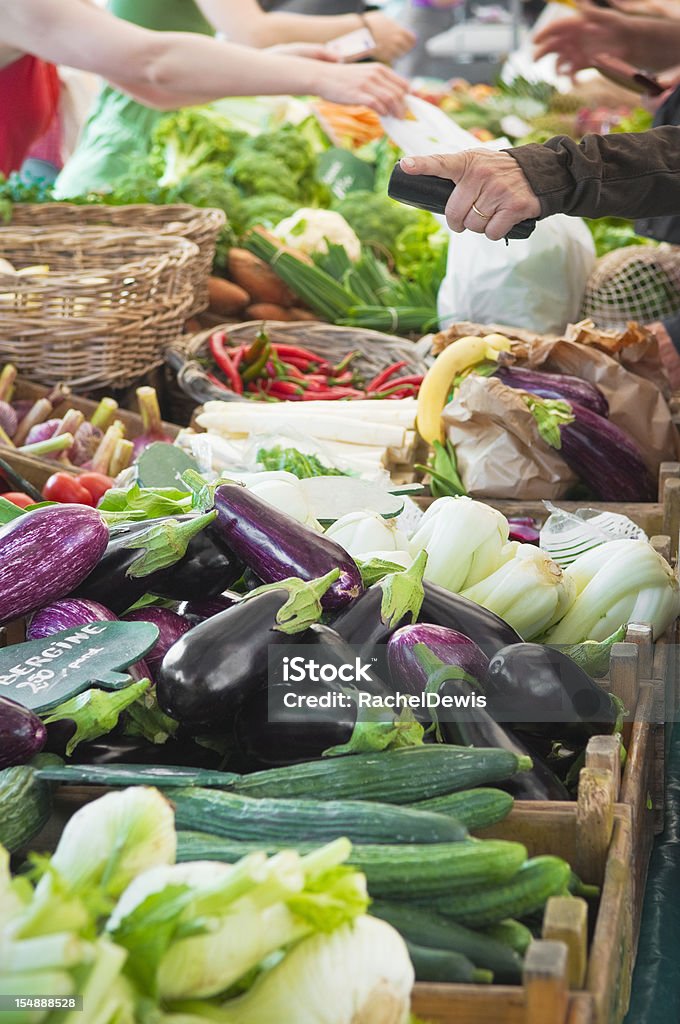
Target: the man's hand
pixel 578 39
pixel 391 39
pixel 649 8
pixel 491 194
pixel 370 85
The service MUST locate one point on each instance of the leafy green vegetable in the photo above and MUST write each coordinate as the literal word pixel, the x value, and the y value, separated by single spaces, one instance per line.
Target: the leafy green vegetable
pixel 188 140
pixel 267 210
pixel 611 233
pixel 293 461
pixel 639 120
pixel 445 480
pixel 377 219
pixel 153 502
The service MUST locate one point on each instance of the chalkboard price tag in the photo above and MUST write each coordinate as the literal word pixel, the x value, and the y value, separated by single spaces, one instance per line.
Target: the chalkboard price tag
pixel 40 674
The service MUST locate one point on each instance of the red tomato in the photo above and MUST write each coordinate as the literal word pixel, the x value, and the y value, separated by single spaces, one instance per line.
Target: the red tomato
pixel 19 499
pixel 96 483
pixel 66 488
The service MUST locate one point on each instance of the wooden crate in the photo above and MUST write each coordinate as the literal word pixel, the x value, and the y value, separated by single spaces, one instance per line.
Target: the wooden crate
pixel 581 834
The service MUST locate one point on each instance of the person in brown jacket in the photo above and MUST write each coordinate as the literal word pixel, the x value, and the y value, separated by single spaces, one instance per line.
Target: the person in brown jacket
pixel 622 175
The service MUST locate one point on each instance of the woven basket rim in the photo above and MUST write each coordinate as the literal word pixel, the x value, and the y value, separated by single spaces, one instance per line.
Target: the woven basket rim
pixel 184 212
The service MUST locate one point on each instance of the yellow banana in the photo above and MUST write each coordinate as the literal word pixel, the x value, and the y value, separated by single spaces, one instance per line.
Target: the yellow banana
pixel 460 355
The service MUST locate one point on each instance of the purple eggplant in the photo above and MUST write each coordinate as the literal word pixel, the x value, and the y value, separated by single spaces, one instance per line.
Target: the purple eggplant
pixel 488 630
pixel 71 612
pixel 171 627
pixel 45 554
pixel 392 602
pixel 525 531
pixel 22 734
pixel 210 671
pixel 277 547
pixel 606 459
pixel 555 385
pixel 450 646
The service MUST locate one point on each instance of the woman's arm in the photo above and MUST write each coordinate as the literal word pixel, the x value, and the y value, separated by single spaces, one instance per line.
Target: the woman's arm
pixel 173 69
pixel 244 21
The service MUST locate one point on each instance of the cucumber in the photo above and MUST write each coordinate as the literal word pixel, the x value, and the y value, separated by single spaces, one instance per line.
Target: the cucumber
pixel 509 932
pixel 290 821
pixel 162 776
pixel 423 873
pixel 444 966
pixel 394 777
pixel 474 808
pixel 25 806
pixel 535 882
pixel 426 927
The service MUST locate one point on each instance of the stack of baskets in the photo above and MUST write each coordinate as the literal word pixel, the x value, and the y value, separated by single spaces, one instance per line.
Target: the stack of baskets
pixel 104 309
pixel 200 226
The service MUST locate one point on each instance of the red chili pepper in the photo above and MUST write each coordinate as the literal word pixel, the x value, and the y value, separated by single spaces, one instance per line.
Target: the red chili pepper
pixel 415 380
pixel 221 357
pixel 344 363
pixel 298 352
pixel 384 375
pixel 343 378
pixel 290 370
pixel 333 394
pixel 217 382
pixel 285 388
pixel 236 355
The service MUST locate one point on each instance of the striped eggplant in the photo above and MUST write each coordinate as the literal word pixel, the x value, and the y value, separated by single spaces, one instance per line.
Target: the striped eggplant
pixel 605 458
pixel 22 734
pixel 45 554
pixel 555 385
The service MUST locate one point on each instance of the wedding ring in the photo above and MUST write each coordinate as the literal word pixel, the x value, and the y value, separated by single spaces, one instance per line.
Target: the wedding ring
pixel 479 213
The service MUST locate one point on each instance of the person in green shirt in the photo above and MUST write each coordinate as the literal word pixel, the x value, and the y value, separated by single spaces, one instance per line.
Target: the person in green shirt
pixel 118 124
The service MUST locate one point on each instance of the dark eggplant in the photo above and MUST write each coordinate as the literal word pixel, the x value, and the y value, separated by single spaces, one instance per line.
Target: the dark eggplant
pixel 555 385
pixel 199 610
pixel 380 611
pixel 442 608
pixel 171 627
pixel 22 734
pixel 542 691
pixel 45 554
pixel 189 561
pixel 209 672
pixel 277 547
pixel 269 731
pixel 407 671
pixel 605 458
pixel 120 749
pixel 467 722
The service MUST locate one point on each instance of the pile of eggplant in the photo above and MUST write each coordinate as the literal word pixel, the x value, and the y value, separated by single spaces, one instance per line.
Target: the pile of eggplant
pixel 217 701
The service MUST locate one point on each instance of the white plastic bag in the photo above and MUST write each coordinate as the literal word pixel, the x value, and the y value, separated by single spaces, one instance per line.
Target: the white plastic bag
pixel 536 283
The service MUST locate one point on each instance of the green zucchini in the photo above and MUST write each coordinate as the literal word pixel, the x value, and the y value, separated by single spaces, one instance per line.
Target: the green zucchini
pixel 444 966
pixel 25 805
pixel 474 808
pixel 160 775
pixel 426 927
pixel 535 882
pixel 509 932
pixel 421 872
pixel 290 821
pixel 395 776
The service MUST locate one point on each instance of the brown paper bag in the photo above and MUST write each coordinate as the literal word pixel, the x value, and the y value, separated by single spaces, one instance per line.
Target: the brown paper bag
pixel 635 404
pixel 499 450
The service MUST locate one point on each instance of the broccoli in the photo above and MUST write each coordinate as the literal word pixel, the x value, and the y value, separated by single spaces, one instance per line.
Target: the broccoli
pixel 267 210
pixel 256 174
pixel 185 141
pixel 376 219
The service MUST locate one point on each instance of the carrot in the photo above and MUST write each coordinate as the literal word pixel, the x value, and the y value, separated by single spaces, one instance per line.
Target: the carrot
pixel 225 297
pixel 258 279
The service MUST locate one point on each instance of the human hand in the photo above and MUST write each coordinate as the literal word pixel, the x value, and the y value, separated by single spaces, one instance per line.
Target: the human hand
pixel 315 51
pixel 649 8
pixel 391 39
pixel 578 39
pixel 668 354
pixel 370 85
pixel 491 194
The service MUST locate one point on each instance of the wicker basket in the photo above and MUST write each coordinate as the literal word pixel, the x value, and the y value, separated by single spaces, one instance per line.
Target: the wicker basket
pixel 376 351
pixel 110 304
pixel 197 225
